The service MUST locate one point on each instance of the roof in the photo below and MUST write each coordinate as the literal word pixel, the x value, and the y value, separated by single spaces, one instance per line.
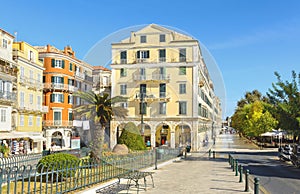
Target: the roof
pixel 100 68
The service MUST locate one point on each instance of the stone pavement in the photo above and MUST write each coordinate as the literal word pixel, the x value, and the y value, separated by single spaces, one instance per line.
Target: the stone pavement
pixel 195 174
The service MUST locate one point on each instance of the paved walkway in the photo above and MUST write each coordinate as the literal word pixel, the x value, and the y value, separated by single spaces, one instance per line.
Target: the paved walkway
pixel 195 174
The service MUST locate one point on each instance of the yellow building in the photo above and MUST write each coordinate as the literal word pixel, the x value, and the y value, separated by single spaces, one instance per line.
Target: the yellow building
pixel 30 93
pixel 163 74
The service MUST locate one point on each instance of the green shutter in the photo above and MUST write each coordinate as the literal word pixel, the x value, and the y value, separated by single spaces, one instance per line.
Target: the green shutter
pixel 63 98
pixel 52 79
pixel 53 62
pixel 52 98
pixel 62 80
pixel 63 63
pixel 70 68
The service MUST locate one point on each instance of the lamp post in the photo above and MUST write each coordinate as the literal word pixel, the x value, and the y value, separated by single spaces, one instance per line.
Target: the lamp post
pixel 143 108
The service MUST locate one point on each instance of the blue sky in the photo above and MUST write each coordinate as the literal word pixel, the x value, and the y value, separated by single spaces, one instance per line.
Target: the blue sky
pixel 249 39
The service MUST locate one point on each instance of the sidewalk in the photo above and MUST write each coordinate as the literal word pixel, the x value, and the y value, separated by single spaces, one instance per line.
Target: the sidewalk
pixel 195 174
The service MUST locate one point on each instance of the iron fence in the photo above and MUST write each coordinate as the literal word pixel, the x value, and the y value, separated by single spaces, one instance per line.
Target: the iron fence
pixel 68 176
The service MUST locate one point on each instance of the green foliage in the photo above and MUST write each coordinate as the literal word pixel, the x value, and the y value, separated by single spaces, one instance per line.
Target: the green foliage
pixel 253 117
pixel 58 162
pixel 100 109
pixel 285 98
pixel 4 150
pixel 132 138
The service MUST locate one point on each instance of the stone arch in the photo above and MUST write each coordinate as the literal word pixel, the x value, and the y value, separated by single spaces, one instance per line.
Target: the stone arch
pixel 183 134
pixel 163 134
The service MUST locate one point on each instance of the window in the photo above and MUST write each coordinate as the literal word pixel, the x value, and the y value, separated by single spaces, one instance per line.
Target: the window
pixel 22 99
pixel 22 72
pixel 70 99
pixel 182 88
pixel 38 121
pixel 199 109
pixel 162 38
pixel 57 97
pixel 182 70
pixel 123 57
pixel 142 73
pixel 4 43
pixel 70 67
pixel 162 108
pixel 70 116
pixel 31 99
pixel 123 89
pixel 57 117
pixel 3 115
pixel 58 63
pixel 162 55
pixel 182 55
pixel 30 121
pixel 31 55
pixel 39 102
pixel 123 72
pixel 182 108
pixel 143 54
pixel 124 105
pixel 143 39
pixel 21 120
pixel 162 90
pixel 57 80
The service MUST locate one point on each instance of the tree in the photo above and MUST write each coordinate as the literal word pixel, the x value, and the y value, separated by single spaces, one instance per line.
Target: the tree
pixel 253 117
pixel 285 98
pixel 101 109
pixel 131 137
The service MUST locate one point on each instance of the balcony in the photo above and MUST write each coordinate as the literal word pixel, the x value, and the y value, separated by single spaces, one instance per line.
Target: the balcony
pixel 88 78
pixel 123 61
pixel 57 123
pixel 150 97
pixel 153 77
pixel 31 83
pixel 161 59
pixel 45 109
pixel 30 108
pixel 79 75
pixel 6 96
pixel 60 86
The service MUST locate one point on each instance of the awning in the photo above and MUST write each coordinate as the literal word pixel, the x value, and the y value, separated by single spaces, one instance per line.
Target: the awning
pixel 16 134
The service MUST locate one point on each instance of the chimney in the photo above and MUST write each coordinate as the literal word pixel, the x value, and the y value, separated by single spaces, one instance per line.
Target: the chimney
pixel 48 47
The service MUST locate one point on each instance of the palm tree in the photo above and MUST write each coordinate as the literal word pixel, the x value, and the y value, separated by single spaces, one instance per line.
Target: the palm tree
pixel 100 109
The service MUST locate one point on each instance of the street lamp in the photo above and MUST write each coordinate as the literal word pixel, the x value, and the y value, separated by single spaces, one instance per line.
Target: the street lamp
pixel 143 109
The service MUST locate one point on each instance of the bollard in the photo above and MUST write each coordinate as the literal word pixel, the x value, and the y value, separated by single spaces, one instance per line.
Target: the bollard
pixel 214 154
pixel 236 167
pixel 185 154
pixel 241 173
pixel 247 181
pixel 256 185
pixel 233 163
pixel 209 153
pixel 229 158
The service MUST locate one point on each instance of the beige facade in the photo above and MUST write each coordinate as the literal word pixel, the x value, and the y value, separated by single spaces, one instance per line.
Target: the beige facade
pixel 30 93
pixel 163 72
pixel 101 80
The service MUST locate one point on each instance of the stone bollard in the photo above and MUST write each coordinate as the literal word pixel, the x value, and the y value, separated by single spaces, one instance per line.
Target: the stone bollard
pixel 247 181
pixel 241 173
pixel 214 154
pixel 236 168
pixel 256 185
pixel 209 153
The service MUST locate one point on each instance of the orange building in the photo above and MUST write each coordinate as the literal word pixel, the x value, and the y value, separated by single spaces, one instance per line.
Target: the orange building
pixel 64 74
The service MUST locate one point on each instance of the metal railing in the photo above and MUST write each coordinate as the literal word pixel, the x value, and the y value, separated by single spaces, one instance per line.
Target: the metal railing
pixel 60 86
pixel 66 176
pixel 58 123
pixel 11 96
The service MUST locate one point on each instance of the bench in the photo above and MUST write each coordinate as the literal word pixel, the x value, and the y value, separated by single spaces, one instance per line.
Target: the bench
pixel 135 176
pixel 114 187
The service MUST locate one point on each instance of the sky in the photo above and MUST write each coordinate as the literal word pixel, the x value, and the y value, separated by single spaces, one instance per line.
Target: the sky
pixel 248 39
